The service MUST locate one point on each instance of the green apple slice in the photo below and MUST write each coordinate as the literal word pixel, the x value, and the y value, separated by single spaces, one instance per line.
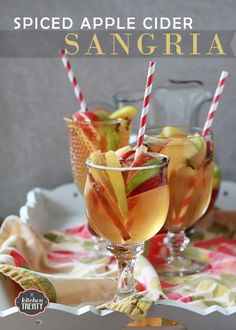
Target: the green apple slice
pixel 197 139
pixel 103 116
pixel 117 181
pixel 127 112
pixel 143 175
pixel 112 137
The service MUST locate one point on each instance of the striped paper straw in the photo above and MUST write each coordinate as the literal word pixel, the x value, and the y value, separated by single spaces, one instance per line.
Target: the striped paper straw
pixel 206 130
pixel 215 103
pixel 145 108
pixel 185 205
pixel 74 82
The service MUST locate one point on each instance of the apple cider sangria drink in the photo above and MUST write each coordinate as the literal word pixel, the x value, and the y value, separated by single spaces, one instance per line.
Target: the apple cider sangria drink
pixel 127 201
pixel 190 176
pixel 89 131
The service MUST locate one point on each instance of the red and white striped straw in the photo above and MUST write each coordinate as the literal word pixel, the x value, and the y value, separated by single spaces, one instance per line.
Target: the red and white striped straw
pixel 185 205
pixel 146 102
pixel 74 82
pixel 207 127
pixel 215 103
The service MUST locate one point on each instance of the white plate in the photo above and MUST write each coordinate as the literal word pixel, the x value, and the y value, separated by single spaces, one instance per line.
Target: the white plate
pixel 60 208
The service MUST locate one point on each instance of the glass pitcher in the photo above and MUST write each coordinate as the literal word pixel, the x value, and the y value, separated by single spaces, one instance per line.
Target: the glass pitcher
pixel 176 103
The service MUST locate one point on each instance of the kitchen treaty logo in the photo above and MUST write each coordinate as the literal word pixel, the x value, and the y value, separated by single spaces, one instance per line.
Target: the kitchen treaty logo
pixel 31 302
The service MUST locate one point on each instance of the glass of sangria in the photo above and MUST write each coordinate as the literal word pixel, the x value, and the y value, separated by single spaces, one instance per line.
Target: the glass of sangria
pixel 127 203
pixel 190 176
pixel 90 131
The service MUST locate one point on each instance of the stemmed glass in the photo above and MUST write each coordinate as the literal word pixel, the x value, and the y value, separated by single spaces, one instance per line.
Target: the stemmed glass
pixel 127 205
pixel 86 137
pixel 190 175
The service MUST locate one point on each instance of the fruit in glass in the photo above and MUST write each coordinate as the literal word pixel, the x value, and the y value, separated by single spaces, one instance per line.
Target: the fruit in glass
pixel 91 131
pixel 127 202
pixel 190 176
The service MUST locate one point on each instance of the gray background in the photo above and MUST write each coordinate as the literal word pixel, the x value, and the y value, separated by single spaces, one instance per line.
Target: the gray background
pixel 35 94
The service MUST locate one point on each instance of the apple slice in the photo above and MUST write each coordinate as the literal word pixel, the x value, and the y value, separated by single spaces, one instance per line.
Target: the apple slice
pixel 142 159
pixel 97 158
pixel 184 151
pixel 149 184
pixel 100 176
pixel 128 156
pixel 171 131
pixel 155 143
pixel 122 151
pixel 103 117
pixel 143 175
pixel 198 141
pixel 112 136
pixel 136 178
pixel 139 161
pixel 117 181
pixel 127 112
pixel 100 195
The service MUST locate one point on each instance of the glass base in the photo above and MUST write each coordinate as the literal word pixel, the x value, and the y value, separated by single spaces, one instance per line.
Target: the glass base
pixel 180 266
pixel 177 264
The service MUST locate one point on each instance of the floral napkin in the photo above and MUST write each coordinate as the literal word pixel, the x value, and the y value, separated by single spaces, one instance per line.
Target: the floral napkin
pixel 214 241
pixel 63 265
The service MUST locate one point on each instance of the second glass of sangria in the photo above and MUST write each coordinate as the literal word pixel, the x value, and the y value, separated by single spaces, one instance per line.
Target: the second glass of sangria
pixel 190 176
pixel 92 130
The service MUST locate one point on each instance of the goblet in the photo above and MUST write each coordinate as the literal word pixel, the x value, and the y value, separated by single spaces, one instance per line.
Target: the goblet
pixel 190 175
pixel 86 137
pixel 126 204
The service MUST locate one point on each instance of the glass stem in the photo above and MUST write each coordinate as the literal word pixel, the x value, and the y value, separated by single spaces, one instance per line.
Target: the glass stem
pixel 177 243
pixel 126 256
